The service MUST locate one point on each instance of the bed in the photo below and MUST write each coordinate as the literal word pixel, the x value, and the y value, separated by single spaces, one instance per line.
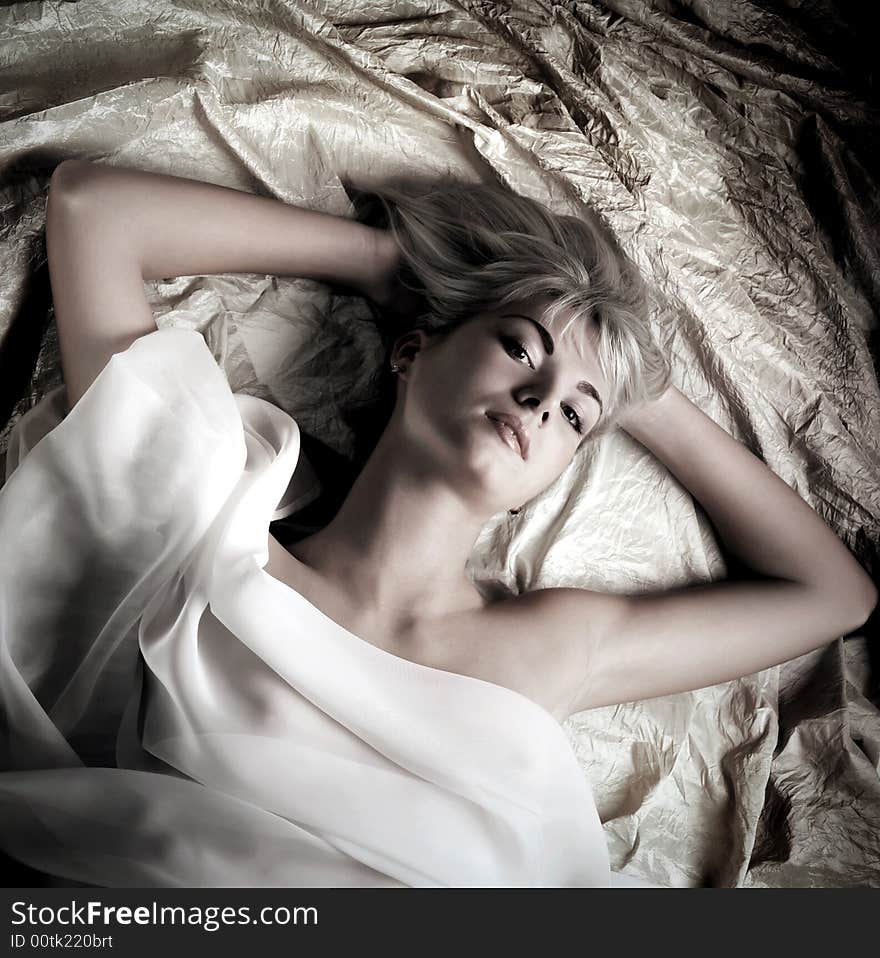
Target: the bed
pixel 731 147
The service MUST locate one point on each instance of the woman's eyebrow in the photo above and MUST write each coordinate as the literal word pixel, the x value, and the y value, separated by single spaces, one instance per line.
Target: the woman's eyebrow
pixel 547 340
pixel 590 390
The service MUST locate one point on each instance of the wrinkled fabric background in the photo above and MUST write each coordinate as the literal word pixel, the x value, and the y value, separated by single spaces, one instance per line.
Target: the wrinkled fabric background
pixel 731 146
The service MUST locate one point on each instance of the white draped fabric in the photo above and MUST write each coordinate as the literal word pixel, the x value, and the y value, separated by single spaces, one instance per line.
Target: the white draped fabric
pixel 177 716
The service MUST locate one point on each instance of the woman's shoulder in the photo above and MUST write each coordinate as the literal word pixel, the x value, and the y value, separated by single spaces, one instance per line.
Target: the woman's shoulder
pixel 545 642
pixel 529 650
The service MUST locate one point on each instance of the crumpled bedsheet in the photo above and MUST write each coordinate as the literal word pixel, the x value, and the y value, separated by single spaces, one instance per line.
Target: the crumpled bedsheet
pixel 733 149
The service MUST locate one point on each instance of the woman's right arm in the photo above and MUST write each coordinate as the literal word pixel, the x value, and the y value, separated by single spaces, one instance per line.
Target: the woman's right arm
pixel 108 229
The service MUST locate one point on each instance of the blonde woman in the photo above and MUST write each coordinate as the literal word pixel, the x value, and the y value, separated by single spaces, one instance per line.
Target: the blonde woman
pixel 350 710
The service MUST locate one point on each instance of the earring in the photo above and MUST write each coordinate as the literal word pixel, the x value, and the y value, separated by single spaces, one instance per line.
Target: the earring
pixel 395 368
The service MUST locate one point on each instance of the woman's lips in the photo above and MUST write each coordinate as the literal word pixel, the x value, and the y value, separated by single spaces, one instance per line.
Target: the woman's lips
pixel 508 434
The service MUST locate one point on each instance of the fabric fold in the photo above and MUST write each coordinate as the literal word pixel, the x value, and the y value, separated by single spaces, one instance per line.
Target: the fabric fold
pixel 178 716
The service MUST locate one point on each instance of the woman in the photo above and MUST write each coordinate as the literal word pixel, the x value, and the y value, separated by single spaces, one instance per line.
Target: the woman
pixel 490 407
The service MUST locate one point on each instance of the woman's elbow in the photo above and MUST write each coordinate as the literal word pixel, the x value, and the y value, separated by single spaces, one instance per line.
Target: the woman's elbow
pixel 873 597
pixel 71 182
pixel 862 604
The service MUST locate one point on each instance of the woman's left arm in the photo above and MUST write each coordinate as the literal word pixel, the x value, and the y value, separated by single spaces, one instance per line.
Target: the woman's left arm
pixel 810 588
pixel 761 520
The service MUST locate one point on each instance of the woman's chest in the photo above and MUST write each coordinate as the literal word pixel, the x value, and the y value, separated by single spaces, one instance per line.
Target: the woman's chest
pixel 500 644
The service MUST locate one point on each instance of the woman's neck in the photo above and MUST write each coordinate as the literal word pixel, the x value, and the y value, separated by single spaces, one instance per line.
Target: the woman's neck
pixel 399 543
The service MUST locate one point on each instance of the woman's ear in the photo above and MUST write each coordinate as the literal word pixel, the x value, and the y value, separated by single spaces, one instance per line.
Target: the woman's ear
pixel 406 348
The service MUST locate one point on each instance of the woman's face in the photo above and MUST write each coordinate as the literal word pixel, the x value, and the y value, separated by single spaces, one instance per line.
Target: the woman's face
pixel 498 404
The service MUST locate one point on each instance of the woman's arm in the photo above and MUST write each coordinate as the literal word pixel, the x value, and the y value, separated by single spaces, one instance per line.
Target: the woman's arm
pixel 809 589
pixel 109 229
pixel 760 519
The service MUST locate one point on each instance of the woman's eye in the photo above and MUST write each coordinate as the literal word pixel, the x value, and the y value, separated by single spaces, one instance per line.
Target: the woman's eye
pixel 572 417
pixel 516 349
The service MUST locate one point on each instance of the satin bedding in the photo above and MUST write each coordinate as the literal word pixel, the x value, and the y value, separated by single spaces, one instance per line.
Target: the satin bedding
pixel 729 145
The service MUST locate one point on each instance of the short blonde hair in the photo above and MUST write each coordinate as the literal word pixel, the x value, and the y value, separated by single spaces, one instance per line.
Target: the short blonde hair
pixel 469 248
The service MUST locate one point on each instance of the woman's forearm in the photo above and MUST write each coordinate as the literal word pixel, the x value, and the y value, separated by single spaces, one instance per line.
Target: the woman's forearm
pixel 762 521
pixel 181 227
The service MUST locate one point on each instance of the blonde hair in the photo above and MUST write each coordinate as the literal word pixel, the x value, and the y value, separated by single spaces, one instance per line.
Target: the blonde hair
pixel 473 247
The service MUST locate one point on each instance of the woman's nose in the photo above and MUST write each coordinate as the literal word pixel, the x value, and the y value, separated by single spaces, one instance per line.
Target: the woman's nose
pixel 533 399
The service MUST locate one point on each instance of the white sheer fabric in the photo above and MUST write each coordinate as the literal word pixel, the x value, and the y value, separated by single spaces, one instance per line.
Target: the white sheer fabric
pixel 176 716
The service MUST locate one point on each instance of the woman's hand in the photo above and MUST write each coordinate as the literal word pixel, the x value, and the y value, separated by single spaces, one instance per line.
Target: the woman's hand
pixel 638 420
pixel 385 261
pixel 383 287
